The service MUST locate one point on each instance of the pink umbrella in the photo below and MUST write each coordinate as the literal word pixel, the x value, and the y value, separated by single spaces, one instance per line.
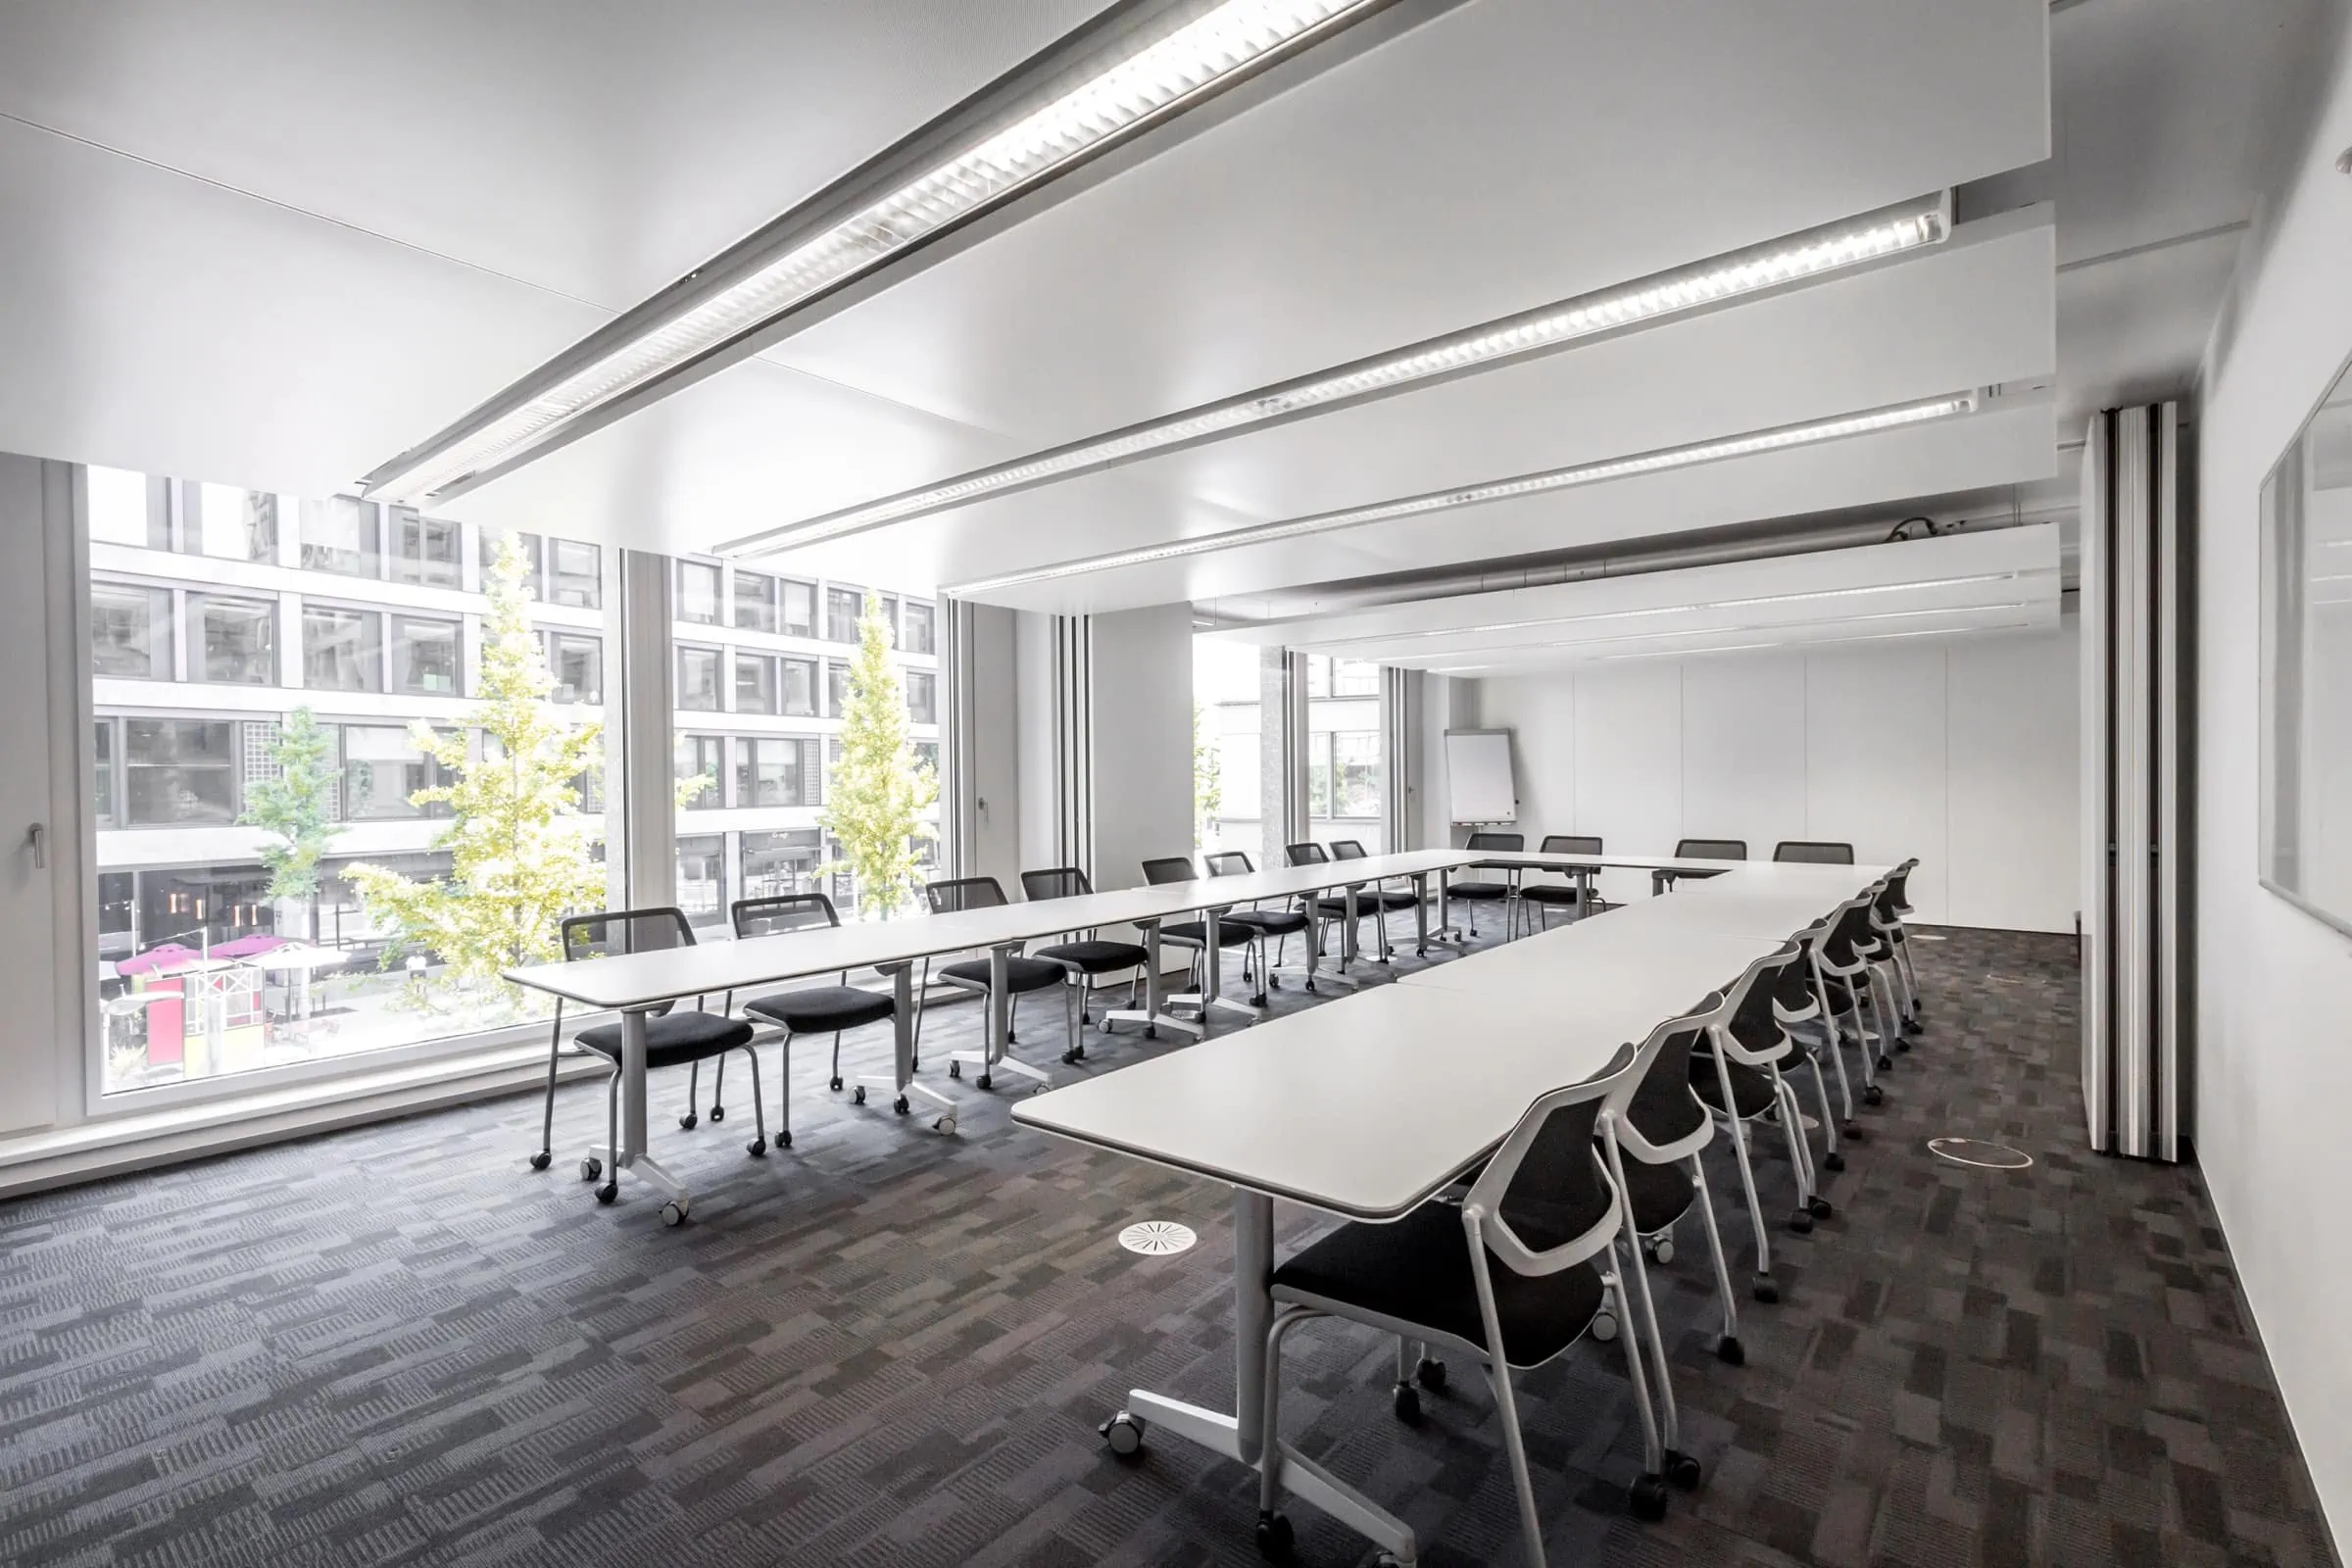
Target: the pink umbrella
pixel 170 956
pixel 247 946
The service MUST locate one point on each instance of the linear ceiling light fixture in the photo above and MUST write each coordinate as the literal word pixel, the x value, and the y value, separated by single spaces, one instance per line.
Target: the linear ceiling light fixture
pixel 1954 406
pixel 1798 259
pixel 1712 631
pixel 1148 81
pixel 1816 642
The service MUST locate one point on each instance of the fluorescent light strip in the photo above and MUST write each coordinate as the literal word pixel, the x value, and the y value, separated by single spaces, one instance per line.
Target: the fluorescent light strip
pixel 1109 104
pixel 1813 255
pixel 1665 609
pixel 1817 642
pixel 1717 631
pixel 1774 440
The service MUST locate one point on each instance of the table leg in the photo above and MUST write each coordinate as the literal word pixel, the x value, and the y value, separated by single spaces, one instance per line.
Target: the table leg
pixel 1214 960
pixel 901 1083
pixel 1584 891
pixel 1153 1012
pixel 631 1155
pixel 1421 916
pixel 1314 950
pixel 995 1055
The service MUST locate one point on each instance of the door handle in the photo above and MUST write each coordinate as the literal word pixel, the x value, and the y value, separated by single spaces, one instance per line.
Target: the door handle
pixel 37 838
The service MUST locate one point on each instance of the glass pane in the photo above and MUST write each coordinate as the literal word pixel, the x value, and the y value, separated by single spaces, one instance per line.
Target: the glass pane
pixel 755 600
pixel 697 593
pixel 235 641
pixel 799 687
pixel 701 889
pixel 1355 768
pixel 837 687
pixel 493 539
pixel 102 772
pixel 1354 677
pixel 342 650
pixel 923 697
pixel 916 638
pixel 704 758
pixel 755 684
pixel 128 508
pixel 576 660
pixel 800 609
pixel 776 863
pixel 230 524
pixel 698 679
pixel 1226 806
pixel 381 768
pixel 340 534
pixel 424 655
pixel 843 607
pixel 2306 663
pixel 178 771
pixel 425 550
pixel 130 631
pixel 577 574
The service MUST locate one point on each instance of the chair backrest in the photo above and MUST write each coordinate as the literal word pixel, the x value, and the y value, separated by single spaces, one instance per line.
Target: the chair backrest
pixel 1549 1203
pixel 1792 998
pixel 784 912
pixel 1304 854
pixel 1813 852
pixel 1711 850
pixel 1496 841
pixel 1754 1026
pixel 610 932
pixel 1571 844
pixel 1346 849
pixel 1062 882
pixel 1849 941
pixel 1227 862
pixel 1169 868
pixel 1657 1111
pixel 960 893
pixel 1898 898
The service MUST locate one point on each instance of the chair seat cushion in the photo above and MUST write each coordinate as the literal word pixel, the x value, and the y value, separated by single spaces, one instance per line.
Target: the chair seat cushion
pixel 1096 958
pixel 1551 893
pixel 1369 902
pixel 1270 922
pixel 1478 892
pixel 674 1038
pixel 821 1009
pixel 1195 932
pixel 1020 974
pixel 1658 1195
pixel 1417 1270
pixel 1751 1089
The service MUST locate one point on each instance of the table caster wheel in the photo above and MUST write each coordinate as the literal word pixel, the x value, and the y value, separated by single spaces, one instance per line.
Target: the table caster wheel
pixel 1125 1435
pixel 591 1168
pixel 985 1082
pixel 1310 988
pixel 1406 1401
pixel 1730 1352
pixel 1832 1160
pixel 1820 1209
pixel 900 1105
pixel 945 1124
pixel 1273 1536
pixel 756 1148
pixel 1647 1499
pixel 955 1069
pixel 687 1121
pixel 1069 1059
pixel 857 1096
pixel 542 1159
pixel 1764 1287
pixel 1682 1471
pixel 836 1084
pixel 674 1213
pixel 718 1113
pixel 1604 1326
pixel 608 1193
pixel 1260 1000
pixel 1801 1223
pixel 1430 1374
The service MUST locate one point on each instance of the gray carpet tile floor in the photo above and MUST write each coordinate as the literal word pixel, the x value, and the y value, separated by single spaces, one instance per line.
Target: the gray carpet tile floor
pixel 398 1345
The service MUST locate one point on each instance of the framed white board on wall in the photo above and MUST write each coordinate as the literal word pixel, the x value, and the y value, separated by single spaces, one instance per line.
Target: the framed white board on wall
pixel 1477 776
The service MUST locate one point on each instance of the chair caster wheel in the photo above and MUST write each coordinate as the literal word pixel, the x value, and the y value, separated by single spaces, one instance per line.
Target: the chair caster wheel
pixel 1405 1400
pixel 955 1069
pixel 984 1081
pixel 945 1125
pixel 1821 1207
pixel 1648 1499
pixel 1069 1059
pixel 784 1139
pixel 900 1105
pixel 674 1213
pixel 1310 988
pixel 1764 1287
pixel 591 1168
pixel 1682 1471
pixel 756 1148
pixel 835 1083
pixel 1661 1251
pixel 1902 1045
pixel 1125 1435
pixel 1260 1000
pixel 1832 1160
pixel 688 1121
pixel 1730 1352
pixel 1912 1026
pixel 1273 1536
pixel 1604 1326
pixel 542 1159
pixel 718 1113
pixel 1801 1223
pixel 857 1096
pixel 1874 1096
pixel 1854 1132
pixel 608 1192
pixel 1430 1374
pixel 1886 1064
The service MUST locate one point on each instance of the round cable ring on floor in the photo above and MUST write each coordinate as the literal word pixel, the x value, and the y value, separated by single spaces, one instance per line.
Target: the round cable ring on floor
pixel 1157 1238
pixel 1984 1155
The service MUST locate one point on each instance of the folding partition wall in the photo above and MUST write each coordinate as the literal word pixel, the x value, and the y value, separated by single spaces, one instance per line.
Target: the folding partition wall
pixel 2137 630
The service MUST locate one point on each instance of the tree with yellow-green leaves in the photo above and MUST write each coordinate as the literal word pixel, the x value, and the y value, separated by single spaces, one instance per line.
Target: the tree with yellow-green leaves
pixel 519 846
pixel 876 794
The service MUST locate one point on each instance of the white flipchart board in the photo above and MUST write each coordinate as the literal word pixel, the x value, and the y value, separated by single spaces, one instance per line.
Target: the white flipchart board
pixel 1477 776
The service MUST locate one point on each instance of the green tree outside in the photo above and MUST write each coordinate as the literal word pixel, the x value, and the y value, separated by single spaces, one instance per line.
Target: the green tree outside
pixel 297 805
pixel 520 848
pixel 1208 783
pixel 876 794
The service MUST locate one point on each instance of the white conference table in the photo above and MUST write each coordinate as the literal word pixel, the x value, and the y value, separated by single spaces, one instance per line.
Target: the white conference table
pixel 635 985
pixel 1367 1106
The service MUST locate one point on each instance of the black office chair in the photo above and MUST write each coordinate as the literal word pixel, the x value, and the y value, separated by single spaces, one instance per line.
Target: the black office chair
pixel 1083 957
pixel 1390 900
pixel 1542 898
pixel 1845 981
pixel 1698 850
pixel 1331 909
pixel 1812 851
pixel 673 1036
pixel 1022 976
pixel 1545 1210
pixel 1737 1072
pixel 1277 927
pixel 1480 891
pixel 812 1010
pixel 1193 934
pixel 1887 919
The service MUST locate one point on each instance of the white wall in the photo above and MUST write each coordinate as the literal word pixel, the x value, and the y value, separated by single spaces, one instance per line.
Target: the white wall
pixel 1143 728
pixel 1961 752
pixel 2273 1044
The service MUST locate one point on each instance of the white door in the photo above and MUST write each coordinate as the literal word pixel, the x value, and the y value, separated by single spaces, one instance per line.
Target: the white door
pixel 30 943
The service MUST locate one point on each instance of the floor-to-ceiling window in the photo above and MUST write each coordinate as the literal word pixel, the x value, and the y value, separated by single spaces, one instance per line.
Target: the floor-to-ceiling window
pixel 1229 778
pixel 283 690
pixel 1344 774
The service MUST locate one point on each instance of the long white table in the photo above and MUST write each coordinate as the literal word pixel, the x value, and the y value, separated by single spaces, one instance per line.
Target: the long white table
pixel 635 984
pixel 1367 1106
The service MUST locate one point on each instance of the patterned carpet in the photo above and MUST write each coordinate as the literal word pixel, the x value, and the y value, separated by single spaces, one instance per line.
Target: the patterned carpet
pixel 397 1345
